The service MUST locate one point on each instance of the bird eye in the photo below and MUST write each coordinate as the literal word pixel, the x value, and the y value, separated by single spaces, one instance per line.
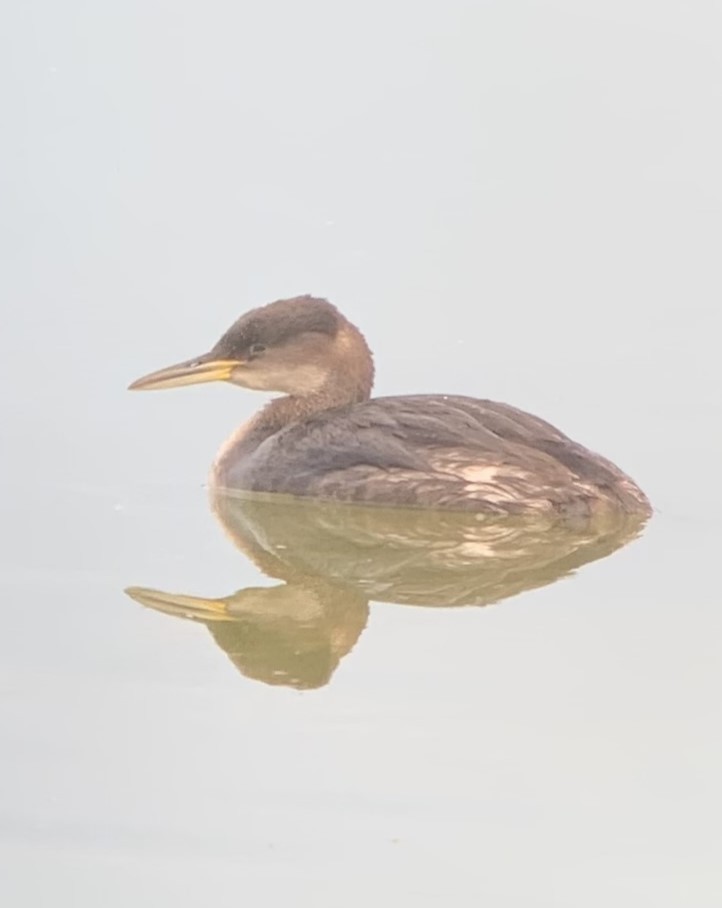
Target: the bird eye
pixel 257 349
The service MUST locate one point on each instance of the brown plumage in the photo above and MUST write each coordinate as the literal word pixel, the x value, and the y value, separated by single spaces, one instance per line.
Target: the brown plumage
pixel 327 439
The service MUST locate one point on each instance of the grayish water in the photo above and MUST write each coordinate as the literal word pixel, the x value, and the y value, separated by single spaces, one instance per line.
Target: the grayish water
pixel 519 201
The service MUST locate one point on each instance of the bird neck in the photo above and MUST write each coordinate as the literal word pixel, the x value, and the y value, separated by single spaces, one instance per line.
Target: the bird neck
pixel 349 380
pixel 283 411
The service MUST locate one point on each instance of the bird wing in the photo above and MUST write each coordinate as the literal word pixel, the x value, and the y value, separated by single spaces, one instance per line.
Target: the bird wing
pixel 434 450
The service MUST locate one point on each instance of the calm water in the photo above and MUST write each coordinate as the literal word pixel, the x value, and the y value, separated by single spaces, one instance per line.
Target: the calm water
pixel 522 204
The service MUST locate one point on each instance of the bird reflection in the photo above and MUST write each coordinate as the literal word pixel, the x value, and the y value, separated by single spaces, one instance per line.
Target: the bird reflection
pixel 333 559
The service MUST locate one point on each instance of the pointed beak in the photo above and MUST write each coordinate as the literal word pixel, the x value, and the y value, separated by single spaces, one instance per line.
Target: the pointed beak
pixel 191 372
pixel 192 607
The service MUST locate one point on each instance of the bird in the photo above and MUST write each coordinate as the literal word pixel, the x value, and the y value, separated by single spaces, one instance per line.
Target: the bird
pixel 326 437
pixel 334 560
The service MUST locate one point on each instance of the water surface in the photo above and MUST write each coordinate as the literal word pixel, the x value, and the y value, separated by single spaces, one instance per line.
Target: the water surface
pixel 522 204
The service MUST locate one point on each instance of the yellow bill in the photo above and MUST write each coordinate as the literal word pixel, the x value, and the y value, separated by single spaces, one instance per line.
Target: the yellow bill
pixel 193 607
pixel 190 372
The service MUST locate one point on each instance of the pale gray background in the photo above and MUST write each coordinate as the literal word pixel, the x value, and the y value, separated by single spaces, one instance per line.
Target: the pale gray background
pixel 517 200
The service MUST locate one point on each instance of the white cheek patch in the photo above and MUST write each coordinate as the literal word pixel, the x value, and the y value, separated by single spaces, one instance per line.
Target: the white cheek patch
pixel 300 380
pixel 308 379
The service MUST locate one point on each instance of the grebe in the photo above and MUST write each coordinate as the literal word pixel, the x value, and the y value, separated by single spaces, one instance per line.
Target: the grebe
pixel 329 561
pixel 326 438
